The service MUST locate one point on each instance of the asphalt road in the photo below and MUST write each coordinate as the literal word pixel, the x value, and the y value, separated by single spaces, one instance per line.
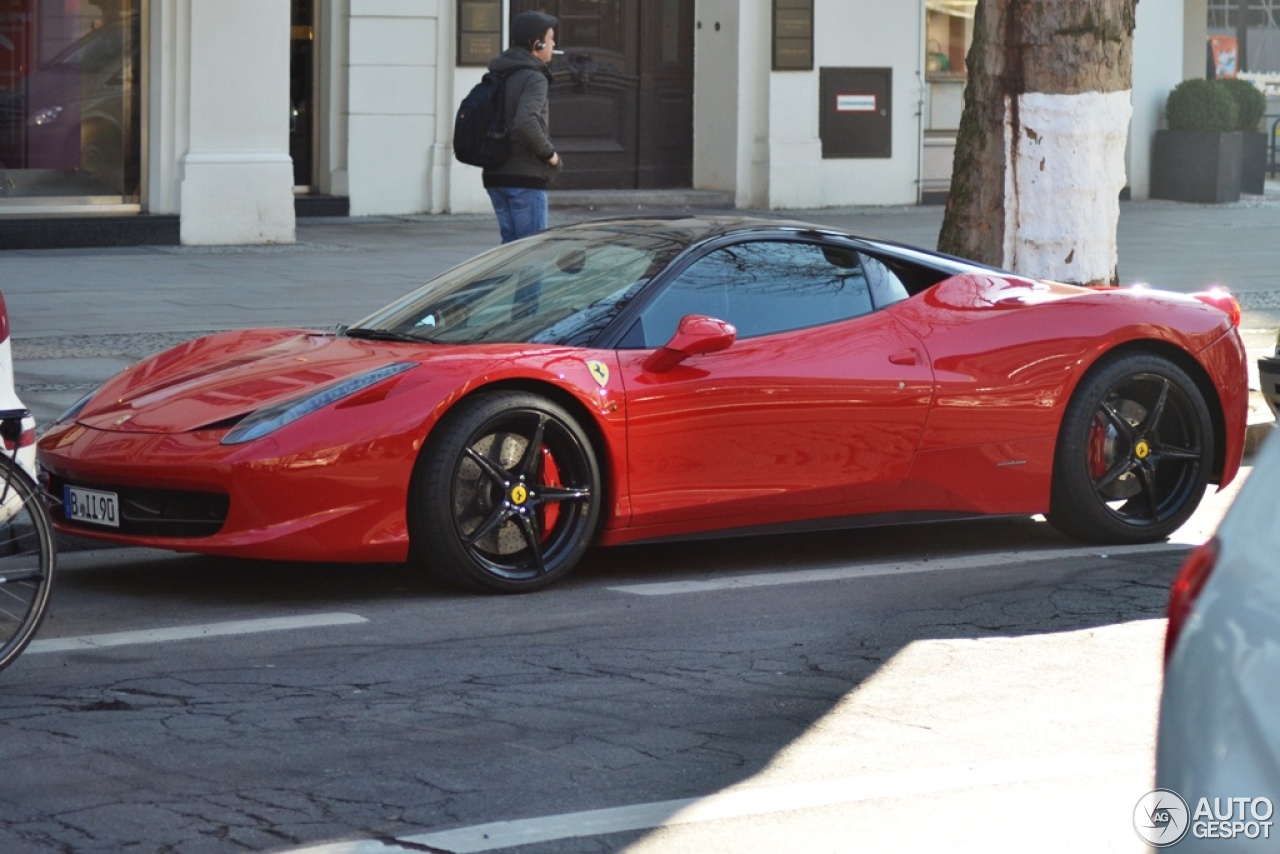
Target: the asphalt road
pixel 879 690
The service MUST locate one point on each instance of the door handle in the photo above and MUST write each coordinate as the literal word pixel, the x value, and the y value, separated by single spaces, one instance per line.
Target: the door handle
pixel 905 357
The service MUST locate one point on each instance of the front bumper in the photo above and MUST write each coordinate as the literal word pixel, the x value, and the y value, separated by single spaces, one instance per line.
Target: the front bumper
pixel 188 493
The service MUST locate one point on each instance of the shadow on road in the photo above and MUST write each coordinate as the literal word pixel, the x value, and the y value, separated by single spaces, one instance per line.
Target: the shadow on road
pixel 452 709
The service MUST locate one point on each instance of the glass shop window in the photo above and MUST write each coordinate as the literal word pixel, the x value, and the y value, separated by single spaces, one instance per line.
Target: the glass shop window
pixel 69 99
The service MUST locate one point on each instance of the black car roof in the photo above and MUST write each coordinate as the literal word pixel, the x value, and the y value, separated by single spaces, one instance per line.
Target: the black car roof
pixel 692 229
pixel 696 228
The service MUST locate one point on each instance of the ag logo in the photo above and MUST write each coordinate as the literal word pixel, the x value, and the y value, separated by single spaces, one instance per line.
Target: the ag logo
pixel 600 371
pixel 1161 818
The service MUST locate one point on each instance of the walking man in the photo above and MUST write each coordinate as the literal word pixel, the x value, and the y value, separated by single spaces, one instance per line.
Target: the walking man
pixel 518 188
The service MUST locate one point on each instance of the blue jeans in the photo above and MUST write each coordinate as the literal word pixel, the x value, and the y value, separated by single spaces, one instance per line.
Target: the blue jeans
pixel 521 211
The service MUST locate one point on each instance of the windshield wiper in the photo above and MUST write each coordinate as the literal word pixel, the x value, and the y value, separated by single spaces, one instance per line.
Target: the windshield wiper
pixel 386 335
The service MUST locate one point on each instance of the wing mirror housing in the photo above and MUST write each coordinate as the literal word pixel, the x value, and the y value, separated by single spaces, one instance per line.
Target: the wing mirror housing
pixel 695 336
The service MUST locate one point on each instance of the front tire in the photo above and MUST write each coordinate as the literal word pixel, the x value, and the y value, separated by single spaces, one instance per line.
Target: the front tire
pixel 506 494
pixel 1135 450
pixel 27 560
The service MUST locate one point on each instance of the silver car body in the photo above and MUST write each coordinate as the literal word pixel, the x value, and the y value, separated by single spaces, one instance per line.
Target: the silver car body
pixel 1219 733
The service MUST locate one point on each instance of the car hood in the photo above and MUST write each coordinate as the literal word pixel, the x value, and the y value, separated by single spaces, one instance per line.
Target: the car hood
pixel 212 382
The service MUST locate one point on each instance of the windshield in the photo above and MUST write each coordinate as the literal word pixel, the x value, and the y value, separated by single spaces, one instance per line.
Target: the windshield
pixel 559 287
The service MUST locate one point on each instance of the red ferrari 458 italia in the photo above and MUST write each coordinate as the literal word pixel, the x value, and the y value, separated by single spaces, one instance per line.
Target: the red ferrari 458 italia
pixel 643 379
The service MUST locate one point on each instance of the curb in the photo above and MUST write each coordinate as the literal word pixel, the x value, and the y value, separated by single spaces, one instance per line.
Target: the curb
pixel 1255 434
pixel 1261 423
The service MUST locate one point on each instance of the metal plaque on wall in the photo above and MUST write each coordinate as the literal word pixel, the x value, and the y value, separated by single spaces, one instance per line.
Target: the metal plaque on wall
pixel 792 35
pixel 479 31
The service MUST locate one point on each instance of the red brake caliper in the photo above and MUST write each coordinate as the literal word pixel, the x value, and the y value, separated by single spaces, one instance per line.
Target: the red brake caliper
pixel 1097 448
pixel 550 477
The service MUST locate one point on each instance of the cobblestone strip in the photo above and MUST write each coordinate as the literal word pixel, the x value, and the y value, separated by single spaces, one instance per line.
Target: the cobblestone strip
pixel 132 345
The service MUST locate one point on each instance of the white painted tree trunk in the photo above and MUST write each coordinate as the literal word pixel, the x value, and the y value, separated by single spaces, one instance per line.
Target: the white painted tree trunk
pixel 1040 157
pixel 1063 179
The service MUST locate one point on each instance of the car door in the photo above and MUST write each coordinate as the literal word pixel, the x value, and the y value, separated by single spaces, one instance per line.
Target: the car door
pixel 815 410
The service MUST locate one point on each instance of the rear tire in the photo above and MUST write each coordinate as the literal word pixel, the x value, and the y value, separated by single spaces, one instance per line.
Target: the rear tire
pixel 1135 450
pixel 506 494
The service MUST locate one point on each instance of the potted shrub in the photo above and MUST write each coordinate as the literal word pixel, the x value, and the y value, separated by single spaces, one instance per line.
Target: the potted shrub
pixel 1251 106
pixel 1198 158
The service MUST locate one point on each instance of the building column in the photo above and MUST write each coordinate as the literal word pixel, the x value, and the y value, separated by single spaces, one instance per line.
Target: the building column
pixel 730 101
pixel 236 176
pixel 1158 66
pixel 392 61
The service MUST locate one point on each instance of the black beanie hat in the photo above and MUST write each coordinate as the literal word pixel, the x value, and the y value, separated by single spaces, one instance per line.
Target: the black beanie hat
pixel 530 27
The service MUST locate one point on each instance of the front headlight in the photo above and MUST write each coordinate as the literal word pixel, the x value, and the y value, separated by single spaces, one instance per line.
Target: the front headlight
pixel 266 421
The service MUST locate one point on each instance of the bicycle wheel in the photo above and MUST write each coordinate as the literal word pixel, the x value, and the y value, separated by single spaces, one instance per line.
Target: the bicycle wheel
pixel 26 560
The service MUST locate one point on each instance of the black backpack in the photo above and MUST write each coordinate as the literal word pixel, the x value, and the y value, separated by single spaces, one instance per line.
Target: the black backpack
pixel 479 129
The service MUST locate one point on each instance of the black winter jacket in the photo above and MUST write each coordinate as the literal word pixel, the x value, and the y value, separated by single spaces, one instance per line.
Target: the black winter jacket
pixel 527 115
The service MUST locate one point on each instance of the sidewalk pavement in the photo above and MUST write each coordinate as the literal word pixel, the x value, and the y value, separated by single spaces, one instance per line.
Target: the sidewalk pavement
pixel 79 315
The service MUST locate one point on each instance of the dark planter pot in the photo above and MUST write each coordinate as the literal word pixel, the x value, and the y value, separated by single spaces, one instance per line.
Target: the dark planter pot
pixel 1196 166
pixel 1253 163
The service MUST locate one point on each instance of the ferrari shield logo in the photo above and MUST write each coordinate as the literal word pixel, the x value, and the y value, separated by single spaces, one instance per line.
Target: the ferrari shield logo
pixel 600 371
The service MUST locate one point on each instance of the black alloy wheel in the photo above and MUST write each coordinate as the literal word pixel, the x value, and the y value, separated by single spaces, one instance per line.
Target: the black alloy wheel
pixel 506 495
pixel 1135 451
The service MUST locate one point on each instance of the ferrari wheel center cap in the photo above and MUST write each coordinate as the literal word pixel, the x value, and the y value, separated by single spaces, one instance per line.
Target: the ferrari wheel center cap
pixel 519 495
pixel 1142 450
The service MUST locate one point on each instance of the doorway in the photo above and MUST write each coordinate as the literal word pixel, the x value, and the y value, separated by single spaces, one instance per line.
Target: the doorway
pixel 622 98
pixel 302 91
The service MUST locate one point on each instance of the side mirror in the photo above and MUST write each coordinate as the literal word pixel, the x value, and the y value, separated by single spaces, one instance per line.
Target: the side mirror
pixel 695 336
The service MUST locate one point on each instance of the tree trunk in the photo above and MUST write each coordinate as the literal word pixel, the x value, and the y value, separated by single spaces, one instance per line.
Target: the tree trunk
pixel 1039 161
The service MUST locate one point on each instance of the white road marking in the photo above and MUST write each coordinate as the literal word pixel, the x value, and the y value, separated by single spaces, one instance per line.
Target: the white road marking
pixel 862 570
pixel 178 633
pixel 739 803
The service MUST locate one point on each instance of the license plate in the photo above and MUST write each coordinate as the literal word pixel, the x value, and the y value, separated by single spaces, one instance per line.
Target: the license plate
pixel 91 506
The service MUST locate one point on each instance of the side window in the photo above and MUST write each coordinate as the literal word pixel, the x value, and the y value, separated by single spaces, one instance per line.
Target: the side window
pixel 763 288
pixel 886 287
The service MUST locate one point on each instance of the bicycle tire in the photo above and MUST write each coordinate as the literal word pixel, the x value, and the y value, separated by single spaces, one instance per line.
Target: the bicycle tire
pixel 27 560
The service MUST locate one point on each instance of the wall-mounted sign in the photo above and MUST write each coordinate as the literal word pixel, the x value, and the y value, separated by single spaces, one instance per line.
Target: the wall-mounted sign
pixel 855 103
pixel 856 119
pixel 1225 50
pixel 792 35
pixel 479 31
